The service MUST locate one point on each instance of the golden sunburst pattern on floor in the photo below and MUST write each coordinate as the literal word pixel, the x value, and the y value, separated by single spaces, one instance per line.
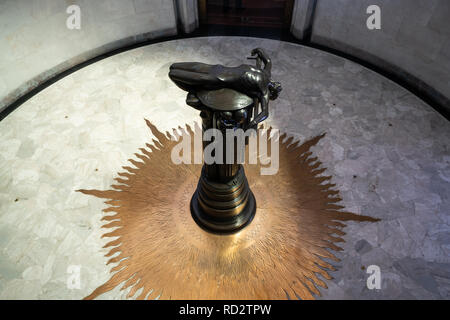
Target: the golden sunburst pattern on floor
pixel 161 252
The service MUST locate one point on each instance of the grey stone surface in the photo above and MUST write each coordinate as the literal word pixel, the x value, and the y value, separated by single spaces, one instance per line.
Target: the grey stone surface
pixel 423 273
pixel 414 37
pixel 362 246
pixel 388 152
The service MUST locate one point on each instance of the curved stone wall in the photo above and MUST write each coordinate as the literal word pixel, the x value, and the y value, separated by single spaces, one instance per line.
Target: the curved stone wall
pixel 36 43
pixel 413 42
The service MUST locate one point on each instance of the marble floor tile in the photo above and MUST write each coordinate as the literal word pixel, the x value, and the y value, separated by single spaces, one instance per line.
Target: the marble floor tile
pixel 388 151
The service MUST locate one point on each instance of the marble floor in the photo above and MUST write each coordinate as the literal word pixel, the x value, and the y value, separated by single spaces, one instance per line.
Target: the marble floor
pixel 388 151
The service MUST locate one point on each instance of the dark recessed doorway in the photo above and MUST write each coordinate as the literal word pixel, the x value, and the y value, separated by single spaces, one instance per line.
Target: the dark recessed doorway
pixel 246 13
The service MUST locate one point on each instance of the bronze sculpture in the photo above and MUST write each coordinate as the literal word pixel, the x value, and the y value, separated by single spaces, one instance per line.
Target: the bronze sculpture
pixel 227 97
